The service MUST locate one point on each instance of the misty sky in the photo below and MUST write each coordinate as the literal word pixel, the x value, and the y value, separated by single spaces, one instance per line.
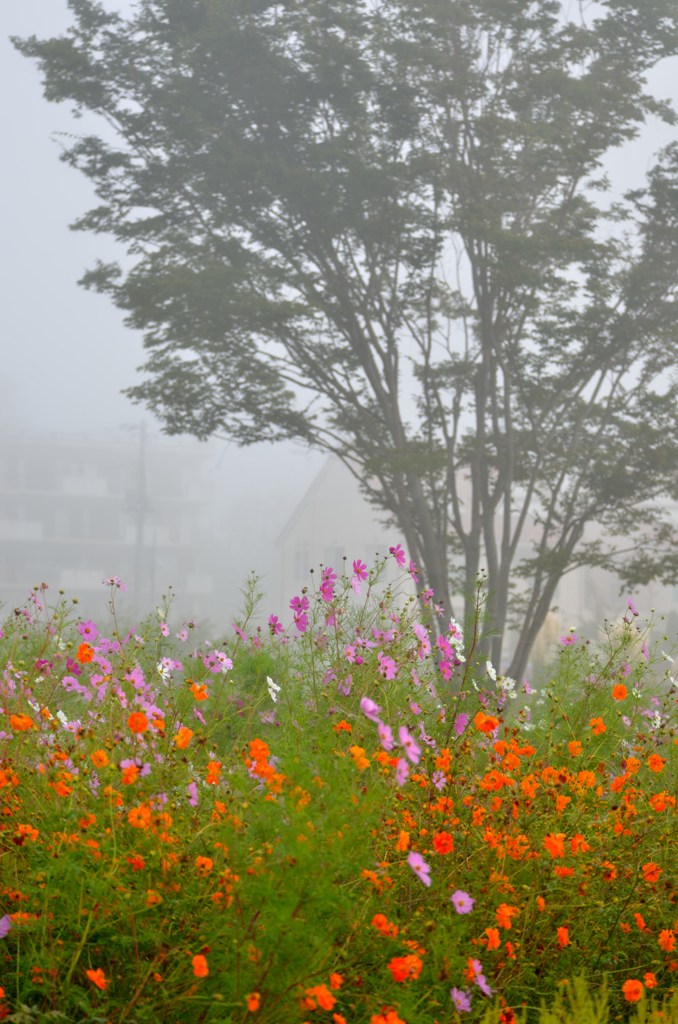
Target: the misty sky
pixel 66 353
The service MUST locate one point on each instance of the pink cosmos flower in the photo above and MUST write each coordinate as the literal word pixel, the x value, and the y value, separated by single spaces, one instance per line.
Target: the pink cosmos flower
pixel 164 629
pixel 275 625
pixel 568 640
pixel 385 736
pixel 398 554
pixel 439 780
pixel 402 771
pixel 415 709
pixel 407 740
pixel 360 569
pixel 345 688
pixel 114 581
pixel 301 621
pixel 420 867
pixel 479 978
pixel 460 723
pixel 463 903
pixel 413 571
pixel 387 666
pixel 88 630
pixel 462 1001
pixel 632 607
pixel 192 789
pixel 182 635
pixel 299 604
pixel 5 925
pixel 370 710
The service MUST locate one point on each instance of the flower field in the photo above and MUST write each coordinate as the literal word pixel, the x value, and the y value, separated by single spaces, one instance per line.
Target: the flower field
pixel 350 819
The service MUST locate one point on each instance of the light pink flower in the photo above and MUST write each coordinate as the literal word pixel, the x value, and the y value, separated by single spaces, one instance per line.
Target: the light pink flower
pixel 420 867
pixel 370 710
pixel 407 740
pixel 385 736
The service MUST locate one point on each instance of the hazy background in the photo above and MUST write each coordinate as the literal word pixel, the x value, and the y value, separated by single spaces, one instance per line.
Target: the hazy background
pixel 67 355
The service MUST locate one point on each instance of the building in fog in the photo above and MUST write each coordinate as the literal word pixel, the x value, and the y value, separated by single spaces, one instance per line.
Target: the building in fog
pixel 74 510
pixel 332 522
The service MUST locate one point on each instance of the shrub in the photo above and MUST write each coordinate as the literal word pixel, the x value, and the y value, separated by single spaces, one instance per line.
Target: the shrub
pixel 383 831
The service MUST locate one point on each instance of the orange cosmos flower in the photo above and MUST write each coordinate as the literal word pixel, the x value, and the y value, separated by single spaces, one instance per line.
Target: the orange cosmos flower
pixel 610 872
pixel 598 726
pixel 85 654
pixel 563 937
pixel 183 737
pixel 667 940
pixel 338 1019
pixel 633 990
pixel 100 758
pixel 253 1000
pixel 541 902
pixel 213 769
pixel 343 726
pixel 387 1017
pixel 200 968
pixel 403 967
pixel 640 922
pixel 140 817
pixel 358 755
pixel 20 723
pixel 579 844
pixel 443 842
pixel 485 723
pixel 336 981
pixel 136 863
pixel 204 865
pixel 649 979
pixel 97 978
pixel 493 941
pixel 574 746
pixel 651 872
pixel 504 914
pixel 563 872
pixel 129 775
pixel 153 898
pixel 555 844
pixel 384 926
pixel 403 841
pixel 325 998
pixel 619 692
pixel 137 721
pixel 199 692
pixel 655 763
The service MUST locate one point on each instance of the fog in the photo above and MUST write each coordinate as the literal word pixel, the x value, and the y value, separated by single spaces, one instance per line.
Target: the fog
pixel 67 355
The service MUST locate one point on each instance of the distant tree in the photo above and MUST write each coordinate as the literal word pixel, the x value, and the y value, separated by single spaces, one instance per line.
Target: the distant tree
pixel 375 227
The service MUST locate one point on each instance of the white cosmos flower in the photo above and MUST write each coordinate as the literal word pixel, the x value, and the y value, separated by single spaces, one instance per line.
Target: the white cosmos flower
pixel 491 671
pixel 273 689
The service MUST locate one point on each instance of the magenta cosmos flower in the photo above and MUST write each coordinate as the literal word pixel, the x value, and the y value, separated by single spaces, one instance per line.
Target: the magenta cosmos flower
pixel 398 554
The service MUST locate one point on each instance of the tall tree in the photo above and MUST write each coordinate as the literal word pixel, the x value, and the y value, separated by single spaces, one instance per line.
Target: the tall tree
pixel 375 227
